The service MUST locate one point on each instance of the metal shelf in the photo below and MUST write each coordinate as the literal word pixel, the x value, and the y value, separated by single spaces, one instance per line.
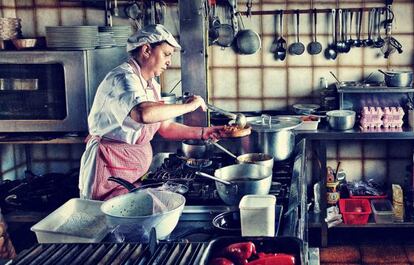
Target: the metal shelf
pixel 368 89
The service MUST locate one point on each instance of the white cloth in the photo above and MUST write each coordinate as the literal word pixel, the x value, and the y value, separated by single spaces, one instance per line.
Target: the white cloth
pixel 109 118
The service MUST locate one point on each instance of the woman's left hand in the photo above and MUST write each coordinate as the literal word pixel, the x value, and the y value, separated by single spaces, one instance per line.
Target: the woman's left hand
pixel 212 132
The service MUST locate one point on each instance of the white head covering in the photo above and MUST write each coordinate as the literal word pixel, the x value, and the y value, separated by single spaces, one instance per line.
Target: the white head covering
pixel 151 34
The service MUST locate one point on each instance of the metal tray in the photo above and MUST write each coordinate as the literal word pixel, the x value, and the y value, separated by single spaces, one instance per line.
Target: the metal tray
pixel 76 221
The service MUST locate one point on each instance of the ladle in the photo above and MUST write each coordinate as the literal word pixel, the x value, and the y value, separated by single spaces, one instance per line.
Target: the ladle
pixel 379 42
pixel 281 43
pixel 368 42
pixel 334 76
pixel 297 48
pixel 314 47
pixel 330 51
pixel 202 174
pixel 340 44
pixel 219 146
pixel 358 42
pixel 347 45
pixel 350 41
pixel 239 119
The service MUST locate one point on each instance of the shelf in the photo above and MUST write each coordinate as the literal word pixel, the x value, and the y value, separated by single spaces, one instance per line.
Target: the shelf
pixel 39 138
pixel 360 89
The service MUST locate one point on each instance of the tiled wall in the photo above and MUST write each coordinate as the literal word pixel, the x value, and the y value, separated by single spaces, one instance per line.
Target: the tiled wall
pixel 249 82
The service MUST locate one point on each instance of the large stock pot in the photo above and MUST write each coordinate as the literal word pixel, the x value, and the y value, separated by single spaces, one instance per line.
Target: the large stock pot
pixel 271 135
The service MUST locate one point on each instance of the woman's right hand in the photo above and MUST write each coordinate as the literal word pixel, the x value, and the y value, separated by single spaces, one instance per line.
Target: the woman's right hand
pixel 196 102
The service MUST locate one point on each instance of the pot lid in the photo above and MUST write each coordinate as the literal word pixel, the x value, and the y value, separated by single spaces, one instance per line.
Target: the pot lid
pixel 266 123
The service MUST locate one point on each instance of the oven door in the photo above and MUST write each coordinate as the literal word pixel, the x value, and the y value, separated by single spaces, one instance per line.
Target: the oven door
pixel 43 91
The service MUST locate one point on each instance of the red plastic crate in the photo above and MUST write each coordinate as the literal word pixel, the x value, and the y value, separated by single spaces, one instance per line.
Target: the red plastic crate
pixel 350 210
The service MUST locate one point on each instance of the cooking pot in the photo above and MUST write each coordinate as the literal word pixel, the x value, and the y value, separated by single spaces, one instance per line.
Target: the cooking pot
pixel 235 181
pixel 197 149
pixel 271 135
pixel 398 78
pixel 249 158
pixel 341 119
pixel 135 213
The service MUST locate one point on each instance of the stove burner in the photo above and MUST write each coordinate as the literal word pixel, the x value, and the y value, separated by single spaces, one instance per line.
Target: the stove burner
pixel 198 163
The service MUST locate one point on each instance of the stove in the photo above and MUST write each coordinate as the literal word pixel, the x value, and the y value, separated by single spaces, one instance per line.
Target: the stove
pixel 202 191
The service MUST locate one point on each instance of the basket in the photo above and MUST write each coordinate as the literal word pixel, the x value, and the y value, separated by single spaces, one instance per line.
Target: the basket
pixel 355 211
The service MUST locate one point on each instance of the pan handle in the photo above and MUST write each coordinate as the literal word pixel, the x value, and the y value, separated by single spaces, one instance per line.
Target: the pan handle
pixel 199 173
pixel 126 184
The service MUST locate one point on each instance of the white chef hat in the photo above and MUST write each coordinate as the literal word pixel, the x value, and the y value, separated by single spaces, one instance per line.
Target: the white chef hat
pixel 151 34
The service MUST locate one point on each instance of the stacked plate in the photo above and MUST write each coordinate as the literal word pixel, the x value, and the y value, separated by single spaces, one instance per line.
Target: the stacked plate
pixel 10 28
pixel 106 39
pixel 121 33
pixel 72 37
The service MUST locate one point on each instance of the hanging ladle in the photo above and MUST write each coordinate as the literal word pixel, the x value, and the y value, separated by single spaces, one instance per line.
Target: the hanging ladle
pixel 358 42
pixel 314 47
pixel 281 43
pixel 378 42
pixel 297 48
pixel 330 51
pixel 239 119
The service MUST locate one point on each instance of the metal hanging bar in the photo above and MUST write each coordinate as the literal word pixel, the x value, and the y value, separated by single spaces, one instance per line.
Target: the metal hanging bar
pixel 304 11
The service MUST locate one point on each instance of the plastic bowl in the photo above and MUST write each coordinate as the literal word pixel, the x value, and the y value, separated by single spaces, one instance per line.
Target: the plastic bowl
pixel 21 44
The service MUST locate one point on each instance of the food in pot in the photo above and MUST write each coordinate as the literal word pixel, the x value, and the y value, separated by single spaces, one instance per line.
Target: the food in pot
pixel 234 131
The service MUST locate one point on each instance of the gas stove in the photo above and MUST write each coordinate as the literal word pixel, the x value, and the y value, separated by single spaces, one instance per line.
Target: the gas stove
pixel 202 191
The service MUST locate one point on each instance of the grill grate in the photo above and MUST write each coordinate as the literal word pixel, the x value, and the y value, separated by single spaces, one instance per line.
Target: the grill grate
pixel 172 253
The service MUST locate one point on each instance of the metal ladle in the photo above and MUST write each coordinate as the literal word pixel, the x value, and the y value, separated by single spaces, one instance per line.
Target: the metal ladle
pixel 330 51
pixel 280 53
pixel 314 47
pixel 239 119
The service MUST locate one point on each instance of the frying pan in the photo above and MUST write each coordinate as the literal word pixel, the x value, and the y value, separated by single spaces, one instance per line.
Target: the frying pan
pixel 169 185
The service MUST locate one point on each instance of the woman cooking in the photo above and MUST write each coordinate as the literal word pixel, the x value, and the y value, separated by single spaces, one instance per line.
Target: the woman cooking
pixel 126 113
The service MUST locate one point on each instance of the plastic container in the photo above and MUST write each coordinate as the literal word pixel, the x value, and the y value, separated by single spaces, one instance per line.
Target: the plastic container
pixel 76 221
pixel 383 211
pixel 257 213
pixel 309 123
pixel 355 211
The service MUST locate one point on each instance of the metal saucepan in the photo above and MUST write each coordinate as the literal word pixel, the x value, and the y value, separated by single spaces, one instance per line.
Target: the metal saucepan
pixel 134 213
pixel 249 158
pixel 235 181
pixel 197 149
pixel 398 78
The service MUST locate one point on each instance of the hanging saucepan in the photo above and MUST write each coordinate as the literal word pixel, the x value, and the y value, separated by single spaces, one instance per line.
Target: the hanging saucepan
pixel 398 78
pixel 249 158
pixel 225 32
pixel 235 181
pixel 246 40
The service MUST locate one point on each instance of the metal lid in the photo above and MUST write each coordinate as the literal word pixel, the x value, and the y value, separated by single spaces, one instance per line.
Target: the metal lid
pixel 267 123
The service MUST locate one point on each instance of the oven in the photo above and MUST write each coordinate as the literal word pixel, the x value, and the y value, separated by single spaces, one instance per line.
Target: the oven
pixel 51 91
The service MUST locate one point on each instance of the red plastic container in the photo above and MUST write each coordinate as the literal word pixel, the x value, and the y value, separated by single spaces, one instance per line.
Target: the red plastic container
pixel 355 211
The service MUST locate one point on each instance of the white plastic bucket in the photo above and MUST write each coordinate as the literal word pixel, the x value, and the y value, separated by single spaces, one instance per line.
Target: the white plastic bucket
pixel 257 214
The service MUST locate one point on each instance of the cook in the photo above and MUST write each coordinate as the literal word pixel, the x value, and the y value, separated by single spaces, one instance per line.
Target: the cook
pixel 127 112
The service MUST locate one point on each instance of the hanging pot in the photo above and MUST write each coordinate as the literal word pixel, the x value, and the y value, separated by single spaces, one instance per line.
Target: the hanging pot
pixel 271 135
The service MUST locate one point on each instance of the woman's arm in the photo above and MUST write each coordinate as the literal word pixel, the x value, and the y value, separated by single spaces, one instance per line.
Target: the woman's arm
pixel 151 112
pixel 178 131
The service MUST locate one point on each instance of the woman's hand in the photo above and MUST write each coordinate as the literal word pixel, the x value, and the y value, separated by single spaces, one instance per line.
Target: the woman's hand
pixel 212 133
pixel 196 102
